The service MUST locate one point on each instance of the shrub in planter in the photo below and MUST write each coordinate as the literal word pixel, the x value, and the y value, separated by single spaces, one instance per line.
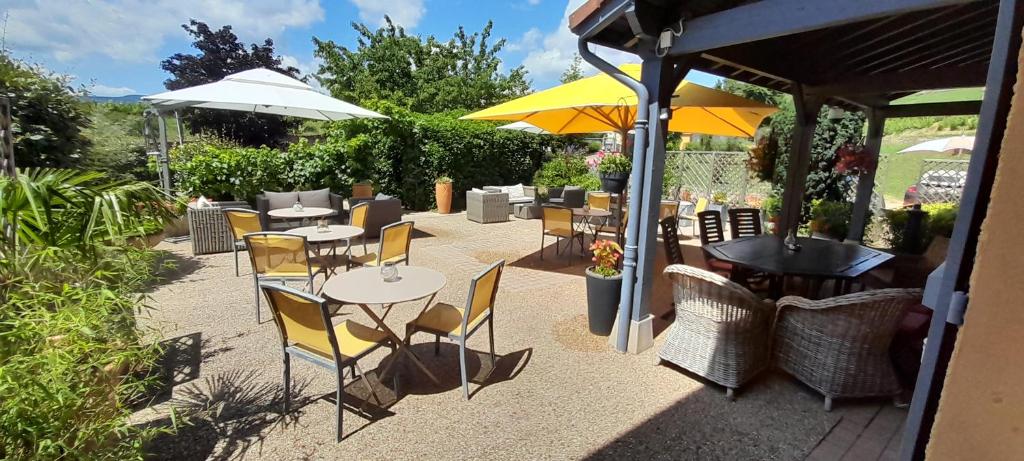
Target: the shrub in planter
pixel 831 218
pixel 443 194
pixel 613 170
pixel 938 222
pixel 604 281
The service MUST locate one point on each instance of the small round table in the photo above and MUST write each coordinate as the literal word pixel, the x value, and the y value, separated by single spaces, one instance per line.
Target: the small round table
pixel 588 214
pixel 335 234
pixel 366 286
pixel 310 212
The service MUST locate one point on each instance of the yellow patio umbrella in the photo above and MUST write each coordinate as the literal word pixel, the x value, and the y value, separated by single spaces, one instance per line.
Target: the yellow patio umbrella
pixel 600 103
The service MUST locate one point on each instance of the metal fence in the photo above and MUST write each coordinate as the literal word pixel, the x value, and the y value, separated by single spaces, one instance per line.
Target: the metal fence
pixel 705 174
pixel 941 181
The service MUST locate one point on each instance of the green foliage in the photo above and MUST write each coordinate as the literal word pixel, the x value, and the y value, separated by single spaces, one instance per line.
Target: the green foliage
pixel 48 116
pixel 955 123
pixel 117 147
pixel 772 205
pixel 574 71
pixel 831 218
pixel 615 163
pixel 716 144
pixel 606 257
pixel 443 180
pixel 566 170
pixel 937 223
pixel 421 74
pixel 222 54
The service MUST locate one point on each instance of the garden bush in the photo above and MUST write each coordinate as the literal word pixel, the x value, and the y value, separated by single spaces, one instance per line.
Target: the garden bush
pixel 566 170
pixel 937 223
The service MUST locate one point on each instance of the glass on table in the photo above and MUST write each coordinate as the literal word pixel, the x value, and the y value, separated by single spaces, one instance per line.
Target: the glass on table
pixel 389 272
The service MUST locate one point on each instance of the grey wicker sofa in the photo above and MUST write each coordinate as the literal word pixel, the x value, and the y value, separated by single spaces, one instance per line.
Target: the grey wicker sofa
pixel 840 346
pixel 721 332
pixel 272 200
pixel 208 229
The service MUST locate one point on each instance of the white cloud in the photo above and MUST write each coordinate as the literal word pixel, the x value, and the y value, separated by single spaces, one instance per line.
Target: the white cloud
pixel 132 30
pixel 533 2
pixel 102 90
pixel 550 56
pixel 305 67
pixel 529 41
pixel 406 13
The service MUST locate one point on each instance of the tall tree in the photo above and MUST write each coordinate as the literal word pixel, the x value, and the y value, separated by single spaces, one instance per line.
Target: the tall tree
pixel 423 74
pixel 222 54
pixel 48 117
pixel 574 71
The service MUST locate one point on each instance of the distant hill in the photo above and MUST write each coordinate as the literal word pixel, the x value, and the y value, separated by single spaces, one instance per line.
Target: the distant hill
pixel 128 99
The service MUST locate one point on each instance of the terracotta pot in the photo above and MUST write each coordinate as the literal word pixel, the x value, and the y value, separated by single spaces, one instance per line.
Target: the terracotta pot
pixel 362 190
pixel 443 196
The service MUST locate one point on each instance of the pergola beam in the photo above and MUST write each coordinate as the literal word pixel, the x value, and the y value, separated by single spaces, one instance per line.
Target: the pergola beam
pixel 807 108
pixel 931 109
pixel 774 18
pixel 908 81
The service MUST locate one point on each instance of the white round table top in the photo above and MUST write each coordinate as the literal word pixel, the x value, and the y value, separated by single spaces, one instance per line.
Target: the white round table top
pixel 337 232
pixel 366 286
pixel 307 212
pixel 591 212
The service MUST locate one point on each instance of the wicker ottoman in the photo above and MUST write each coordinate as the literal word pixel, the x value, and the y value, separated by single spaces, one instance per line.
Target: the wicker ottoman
pixel 208 229
pixel 527 211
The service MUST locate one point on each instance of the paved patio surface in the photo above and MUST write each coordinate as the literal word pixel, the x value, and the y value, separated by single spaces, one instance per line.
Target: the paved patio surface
pixel 556 392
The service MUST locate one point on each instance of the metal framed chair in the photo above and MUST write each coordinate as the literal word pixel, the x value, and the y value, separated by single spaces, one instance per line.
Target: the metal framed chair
pixel 600 200
pixel 744 222
pixel 670 237
pixel 241 221
pixel 702 205
pixel 306 332
pixel 458 324
pixel 668 208
pixel 556 221
pixel 711 231
pixel 395 240
pixel 357 217
pixel 280 257
pixel 840 346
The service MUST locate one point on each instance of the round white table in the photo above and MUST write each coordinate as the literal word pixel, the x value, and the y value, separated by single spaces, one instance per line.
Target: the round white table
pixel 307 213
pixel 335 234
pixel 588 215
pixel 365 286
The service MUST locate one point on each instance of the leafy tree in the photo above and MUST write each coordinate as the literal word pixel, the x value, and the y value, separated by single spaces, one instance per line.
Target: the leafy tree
pixel 48 116
pixel 422 74
pixel 574 71
pixel 222 54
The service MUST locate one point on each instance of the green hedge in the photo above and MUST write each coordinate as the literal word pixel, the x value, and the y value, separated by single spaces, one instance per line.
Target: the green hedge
pixel 402 156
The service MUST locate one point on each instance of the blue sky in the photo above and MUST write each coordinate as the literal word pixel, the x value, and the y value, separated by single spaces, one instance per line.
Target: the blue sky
pixel 114 47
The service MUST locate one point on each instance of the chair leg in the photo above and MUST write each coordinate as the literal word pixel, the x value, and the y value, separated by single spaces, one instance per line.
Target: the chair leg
pixel 730 394
pixel 462 367
pixel 490 332
pixel 828 403
pixel 369 387
pixel 364 244
pixel 437 344
pixel 338 401
pixel 256 283
pixel 541 247
pixel 287 382
pixel 235 248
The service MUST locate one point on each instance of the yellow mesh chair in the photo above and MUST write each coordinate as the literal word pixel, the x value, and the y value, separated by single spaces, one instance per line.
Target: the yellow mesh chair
pixel 304 327
pixel 702 205
pixel 395 240
pixel 241 221
pixel 600 201
pixel 279 257
pixel 458 324
pixel 556 221
pixel 357 217
pixel 668 208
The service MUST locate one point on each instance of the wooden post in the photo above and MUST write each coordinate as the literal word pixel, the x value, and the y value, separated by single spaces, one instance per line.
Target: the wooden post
pixel 6 139
pixel 866 182
pixel 807 107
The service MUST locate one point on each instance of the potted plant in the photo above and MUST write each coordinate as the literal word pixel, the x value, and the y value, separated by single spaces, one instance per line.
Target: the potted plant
pixel 443 194
pixel 854 159
pixel 830 219
pixel 719 203
pixel 604 281
pixel 613 170
pixel 772 206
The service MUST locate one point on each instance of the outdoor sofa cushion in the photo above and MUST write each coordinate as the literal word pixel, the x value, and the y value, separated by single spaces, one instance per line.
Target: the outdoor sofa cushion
pixel 320 198
pixel 278 200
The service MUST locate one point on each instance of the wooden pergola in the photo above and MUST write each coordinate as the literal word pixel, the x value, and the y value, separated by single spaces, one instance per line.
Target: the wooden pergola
pixel 856 54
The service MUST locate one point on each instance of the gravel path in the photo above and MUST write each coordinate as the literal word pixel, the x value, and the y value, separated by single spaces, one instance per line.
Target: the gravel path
pixel 556 392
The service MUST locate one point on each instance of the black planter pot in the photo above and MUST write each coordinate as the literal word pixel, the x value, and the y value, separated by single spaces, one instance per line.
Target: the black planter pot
pixel 602 301
pixel 614 182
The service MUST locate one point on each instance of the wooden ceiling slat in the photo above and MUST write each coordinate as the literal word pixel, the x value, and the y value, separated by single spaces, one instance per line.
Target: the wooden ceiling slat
pixel 941 49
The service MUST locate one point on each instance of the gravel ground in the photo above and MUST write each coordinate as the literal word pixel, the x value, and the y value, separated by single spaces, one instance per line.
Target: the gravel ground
pixel 556 392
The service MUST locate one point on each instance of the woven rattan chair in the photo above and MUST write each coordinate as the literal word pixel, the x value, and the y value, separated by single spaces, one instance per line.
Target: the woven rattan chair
pixel 305 329
pixel 722 331
pixel 670 236
pixel 395 240
pixel 711 231
pixel 744 222
pixel 241 221
pixel 556 221
pixel 840 346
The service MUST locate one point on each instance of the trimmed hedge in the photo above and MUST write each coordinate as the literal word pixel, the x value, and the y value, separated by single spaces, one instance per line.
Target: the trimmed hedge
pixel 402 156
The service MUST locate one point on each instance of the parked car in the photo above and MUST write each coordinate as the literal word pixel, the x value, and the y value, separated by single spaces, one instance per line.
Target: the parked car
pixel 936 185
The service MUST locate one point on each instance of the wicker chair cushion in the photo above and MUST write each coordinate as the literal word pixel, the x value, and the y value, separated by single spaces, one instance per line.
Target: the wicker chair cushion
pixel 320 198
pixel 278 200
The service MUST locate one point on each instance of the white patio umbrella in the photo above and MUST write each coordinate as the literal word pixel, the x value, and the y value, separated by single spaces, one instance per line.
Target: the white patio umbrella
pixel 257 90
pixel 524 126
pixel 954 143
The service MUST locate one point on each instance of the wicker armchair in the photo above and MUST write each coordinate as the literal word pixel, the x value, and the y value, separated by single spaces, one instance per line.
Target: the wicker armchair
pixel 722 331
pixel 487 207
pixel 840 346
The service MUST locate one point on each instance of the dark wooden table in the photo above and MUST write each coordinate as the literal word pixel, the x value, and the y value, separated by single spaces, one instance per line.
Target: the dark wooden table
pixel 817 259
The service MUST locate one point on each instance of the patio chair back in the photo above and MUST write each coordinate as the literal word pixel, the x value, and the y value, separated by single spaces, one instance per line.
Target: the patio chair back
pixel 278 254
pixel 668 208
pixel 702 204
pixel 303 320
pixel 600 200
pixel 358 214
pixel 744 222
pixel 242 221
pixel 557 220
pixel 710 222
pixel 395 240
pixel 670 236
pixel 482 292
